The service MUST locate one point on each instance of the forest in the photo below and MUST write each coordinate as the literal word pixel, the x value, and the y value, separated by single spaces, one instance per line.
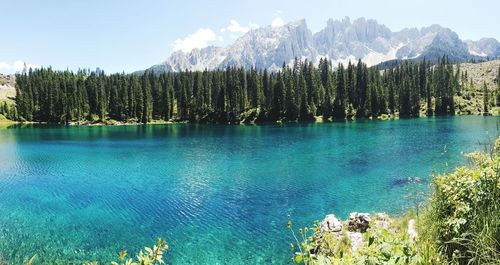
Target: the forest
pixel 299 92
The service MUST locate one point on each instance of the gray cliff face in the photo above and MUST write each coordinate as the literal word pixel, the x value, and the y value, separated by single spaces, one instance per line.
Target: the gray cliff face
pixel 340 41
pixel 271 46
pixel 484 47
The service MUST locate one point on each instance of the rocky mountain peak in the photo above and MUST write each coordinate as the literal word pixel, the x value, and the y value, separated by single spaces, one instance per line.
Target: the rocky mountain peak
pixel 340 41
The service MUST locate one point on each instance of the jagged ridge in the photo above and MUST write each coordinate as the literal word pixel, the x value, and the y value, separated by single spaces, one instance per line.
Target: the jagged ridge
pixel 340 41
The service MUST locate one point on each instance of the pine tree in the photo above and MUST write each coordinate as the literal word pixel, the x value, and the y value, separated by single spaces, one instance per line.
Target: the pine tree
pixel 278 109
pixel 415 91
pixel 361 89
pixel 291 106
pixel 328 87
pixel 339 101
pixel 428 93
pixel 304 106
pixel 497 92
pixel 485 98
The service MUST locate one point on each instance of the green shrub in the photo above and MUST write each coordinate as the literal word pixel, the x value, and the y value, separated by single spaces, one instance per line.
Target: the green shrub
pixel 465 211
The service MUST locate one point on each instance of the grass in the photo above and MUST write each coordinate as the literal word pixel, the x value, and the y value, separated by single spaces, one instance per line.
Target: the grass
pixel 462 224
pixel 4 120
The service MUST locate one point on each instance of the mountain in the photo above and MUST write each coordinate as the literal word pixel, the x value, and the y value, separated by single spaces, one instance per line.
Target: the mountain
pixel 484 47
pixel 7 87
pixel 340 41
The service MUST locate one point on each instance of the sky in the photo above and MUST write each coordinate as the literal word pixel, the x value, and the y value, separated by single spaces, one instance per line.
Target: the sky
pixel 126 35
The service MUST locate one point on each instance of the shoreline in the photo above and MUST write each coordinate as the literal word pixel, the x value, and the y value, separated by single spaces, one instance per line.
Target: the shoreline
pixel 317 119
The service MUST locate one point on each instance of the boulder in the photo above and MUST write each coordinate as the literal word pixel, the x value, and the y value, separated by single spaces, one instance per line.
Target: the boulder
pixel 331 223
pixel 359 222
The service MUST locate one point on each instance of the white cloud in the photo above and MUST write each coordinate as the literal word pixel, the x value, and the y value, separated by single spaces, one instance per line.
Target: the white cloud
pixel 277 22
pixel 236 27
pixel 4 65
pixel 16 66
pixel 200 39
pixel 253 25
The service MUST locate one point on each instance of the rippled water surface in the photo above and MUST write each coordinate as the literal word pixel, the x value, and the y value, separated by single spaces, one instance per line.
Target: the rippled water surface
pixel 218 194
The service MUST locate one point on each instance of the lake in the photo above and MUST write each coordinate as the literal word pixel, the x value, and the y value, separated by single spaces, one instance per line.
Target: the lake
pixel 218 194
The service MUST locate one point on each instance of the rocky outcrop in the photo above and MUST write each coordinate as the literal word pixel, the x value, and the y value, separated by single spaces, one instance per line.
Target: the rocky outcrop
pixel 331 224
pixel 9 80
pixel 357 224
pixel 7 86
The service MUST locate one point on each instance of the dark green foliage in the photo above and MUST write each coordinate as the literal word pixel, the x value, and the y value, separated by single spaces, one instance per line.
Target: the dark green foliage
pixel 497 90
pixel 485 98
pixel 296 93
pixel 445 85
pixel 340 96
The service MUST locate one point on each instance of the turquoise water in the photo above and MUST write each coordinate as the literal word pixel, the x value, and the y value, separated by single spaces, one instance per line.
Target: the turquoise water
pixel 218 194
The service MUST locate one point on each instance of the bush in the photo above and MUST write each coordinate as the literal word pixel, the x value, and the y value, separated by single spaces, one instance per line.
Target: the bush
pixel 465 211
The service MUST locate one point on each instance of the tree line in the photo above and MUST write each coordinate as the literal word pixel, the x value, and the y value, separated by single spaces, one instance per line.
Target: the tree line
pixel 297 92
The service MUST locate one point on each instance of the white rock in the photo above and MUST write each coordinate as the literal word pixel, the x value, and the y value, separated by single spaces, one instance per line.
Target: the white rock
pixel 356 240
pixel 331 223
pixel 411 229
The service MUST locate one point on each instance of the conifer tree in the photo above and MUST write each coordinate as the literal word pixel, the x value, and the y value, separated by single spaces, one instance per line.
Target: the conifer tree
pixel 339 101
pixel 497 91
pixel 485 98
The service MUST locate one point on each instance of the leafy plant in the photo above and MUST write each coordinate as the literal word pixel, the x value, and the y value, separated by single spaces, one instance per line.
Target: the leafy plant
pixel 150 256
pixel 465 210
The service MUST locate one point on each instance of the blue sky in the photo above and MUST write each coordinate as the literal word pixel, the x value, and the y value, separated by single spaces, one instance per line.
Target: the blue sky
pixel 130 35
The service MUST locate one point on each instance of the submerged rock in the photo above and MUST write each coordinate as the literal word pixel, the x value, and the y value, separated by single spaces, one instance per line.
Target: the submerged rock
pixel 405 181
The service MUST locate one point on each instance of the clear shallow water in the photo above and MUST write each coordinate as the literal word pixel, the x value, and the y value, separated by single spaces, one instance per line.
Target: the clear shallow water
pixel 218 194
